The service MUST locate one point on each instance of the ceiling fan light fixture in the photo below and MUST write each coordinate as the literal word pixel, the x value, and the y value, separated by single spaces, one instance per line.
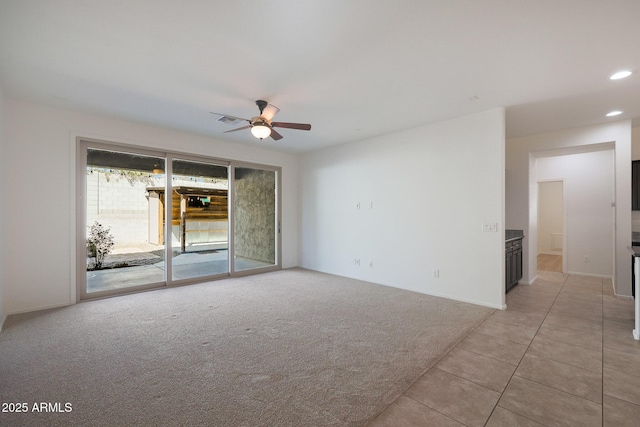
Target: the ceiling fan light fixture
pixel 261 131
pixel 261 126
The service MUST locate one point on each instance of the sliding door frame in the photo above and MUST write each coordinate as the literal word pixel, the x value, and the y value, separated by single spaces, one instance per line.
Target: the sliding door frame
pixel 278 218
pixel 170 157
pixel 82 144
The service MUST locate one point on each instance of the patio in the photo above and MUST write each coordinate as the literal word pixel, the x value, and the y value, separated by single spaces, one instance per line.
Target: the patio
pixel 146 266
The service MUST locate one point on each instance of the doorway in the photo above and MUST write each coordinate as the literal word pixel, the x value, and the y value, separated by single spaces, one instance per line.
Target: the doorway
pixel 550 251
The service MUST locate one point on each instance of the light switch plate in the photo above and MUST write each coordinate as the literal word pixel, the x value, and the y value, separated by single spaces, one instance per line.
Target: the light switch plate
pixel 490 227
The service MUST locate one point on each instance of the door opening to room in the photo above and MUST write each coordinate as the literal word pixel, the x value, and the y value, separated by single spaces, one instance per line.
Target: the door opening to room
pixel 150 219
pixel 550 226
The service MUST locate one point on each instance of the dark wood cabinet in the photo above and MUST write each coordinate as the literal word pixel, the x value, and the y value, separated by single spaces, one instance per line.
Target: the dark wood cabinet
pixel 513 263
pixel 635 185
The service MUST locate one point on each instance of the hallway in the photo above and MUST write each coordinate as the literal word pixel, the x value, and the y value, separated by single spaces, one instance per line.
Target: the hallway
pixel 550 263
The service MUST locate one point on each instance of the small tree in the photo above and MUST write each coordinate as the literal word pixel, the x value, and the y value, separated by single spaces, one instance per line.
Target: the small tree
pixel 99 244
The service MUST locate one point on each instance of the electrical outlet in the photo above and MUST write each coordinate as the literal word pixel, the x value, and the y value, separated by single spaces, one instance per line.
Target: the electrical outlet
pixel 371 264
pixel 356 261
pixel 436 273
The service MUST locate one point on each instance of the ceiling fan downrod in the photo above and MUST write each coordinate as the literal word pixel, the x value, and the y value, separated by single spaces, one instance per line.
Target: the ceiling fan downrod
pixel 261 105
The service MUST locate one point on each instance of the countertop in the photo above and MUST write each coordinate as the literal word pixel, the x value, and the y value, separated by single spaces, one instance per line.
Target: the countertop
pixel 510 235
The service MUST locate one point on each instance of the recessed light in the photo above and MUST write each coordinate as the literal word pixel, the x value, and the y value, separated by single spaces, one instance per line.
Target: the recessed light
pixel 614 113
pixel 620 75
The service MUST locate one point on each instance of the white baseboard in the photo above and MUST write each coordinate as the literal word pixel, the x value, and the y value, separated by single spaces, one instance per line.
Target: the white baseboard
pixel 46 307
pixel 418 290
pixel 575 273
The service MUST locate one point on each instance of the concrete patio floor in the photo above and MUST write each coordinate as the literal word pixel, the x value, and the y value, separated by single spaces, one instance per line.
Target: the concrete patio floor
pixel 148 267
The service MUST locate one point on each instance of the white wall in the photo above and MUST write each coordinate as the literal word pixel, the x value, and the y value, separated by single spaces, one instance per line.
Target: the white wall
pixel 521 188
pixel 3 206
pixel 588 193
pixel 39 153
pixel 424 194
pixel 550 217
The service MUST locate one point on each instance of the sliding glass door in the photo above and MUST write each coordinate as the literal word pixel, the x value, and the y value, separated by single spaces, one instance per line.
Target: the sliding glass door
pixel 199 219
pixel 255 218
pixel 124 241
pixel 149 219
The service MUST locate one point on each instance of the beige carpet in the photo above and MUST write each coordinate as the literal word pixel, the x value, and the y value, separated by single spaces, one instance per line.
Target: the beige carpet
pixel 289 348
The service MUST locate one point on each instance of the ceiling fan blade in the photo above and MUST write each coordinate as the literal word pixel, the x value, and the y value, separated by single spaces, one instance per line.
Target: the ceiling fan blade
pixel 228 119
pixel 275 135
pixel 299 126
pixel 233 130
pixel 269 112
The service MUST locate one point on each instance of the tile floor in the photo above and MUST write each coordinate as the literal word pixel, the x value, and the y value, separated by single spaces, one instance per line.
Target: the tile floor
pixel 562 354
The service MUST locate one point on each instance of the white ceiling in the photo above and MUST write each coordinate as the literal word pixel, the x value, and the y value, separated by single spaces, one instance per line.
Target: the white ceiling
pixel 352 68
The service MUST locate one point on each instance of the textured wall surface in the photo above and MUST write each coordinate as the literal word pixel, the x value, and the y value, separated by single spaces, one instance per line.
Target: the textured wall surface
pixel 120 205
pixel 255 214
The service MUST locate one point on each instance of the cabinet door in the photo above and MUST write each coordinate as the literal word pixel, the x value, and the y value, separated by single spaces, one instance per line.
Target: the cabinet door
pixel 635 185
pixel 514 268
pixel 507 275
pixel 508 266
pixel 518 258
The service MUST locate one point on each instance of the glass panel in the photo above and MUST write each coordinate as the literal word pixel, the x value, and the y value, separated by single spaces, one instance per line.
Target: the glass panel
pixel 199 220
pixel 254 218
pixel 125 233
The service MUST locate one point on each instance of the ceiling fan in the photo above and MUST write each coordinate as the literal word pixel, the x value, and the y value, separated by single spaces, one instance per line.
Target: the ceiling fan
pixel 261 126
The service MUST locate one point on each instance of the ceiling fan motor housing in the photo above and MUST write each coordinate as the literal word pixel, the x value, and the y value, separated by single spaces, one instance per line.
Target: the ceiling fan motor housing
pixel 260 121
pixel 261 104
